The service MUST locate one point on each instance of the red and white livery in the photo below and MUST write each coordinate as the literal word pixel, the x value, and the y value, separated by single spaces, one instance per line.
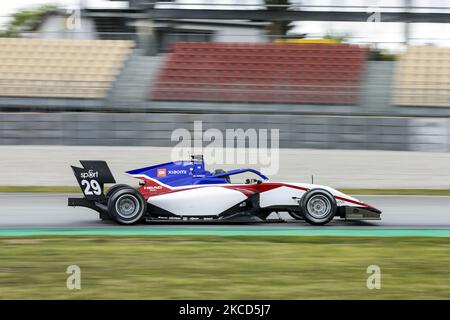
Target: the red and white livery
pixel 185 190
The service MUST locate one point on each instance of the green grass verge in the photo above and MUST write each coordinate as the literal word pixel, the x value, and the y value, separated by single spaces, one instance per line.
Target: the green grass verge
pixel 43 189
pixel 209 267
pixel 359 191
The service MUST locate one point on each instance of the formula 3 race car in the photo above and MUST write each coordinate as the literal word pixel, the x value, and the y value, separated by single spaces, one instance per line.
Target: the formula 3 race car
pixel 185 190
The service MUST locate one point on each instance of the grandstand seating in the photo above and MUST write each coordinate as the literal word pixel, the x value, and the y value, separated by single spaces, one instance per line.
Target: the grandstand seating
pixel 264 72
pixel 422 78
pixel 59 68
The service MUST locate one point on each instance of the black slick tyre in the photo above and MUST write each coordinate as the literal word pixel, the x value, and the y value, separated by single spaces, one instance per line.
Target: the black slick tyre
pixel 126 206
pixel 318 206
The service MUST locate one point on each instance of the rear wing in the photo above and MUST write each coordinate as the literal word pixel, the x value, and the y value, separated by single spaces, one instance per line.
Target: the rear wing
pixel 92 177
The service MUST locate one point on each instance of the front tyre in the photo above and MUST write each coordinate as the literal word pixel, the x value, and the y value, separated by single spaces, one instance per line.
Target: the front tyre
pixel 127 206
pixel 318 206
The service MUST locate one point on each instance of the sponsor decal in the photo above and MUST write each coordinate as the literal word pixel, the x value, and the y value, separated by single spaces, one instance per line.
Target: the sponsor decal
pixel 91 174
pixel 177 171
pixel 162 172
pixel 152 188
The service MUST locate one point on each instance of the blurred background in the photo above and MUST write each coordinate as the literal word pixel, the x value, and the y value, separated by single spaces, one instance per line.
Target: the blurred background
pixel 351 85
pixel 359 91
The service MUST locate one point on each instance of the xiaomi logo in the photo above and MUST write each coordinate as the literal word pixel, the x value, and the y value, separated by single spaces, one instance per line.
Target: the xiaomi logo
pixel 162 172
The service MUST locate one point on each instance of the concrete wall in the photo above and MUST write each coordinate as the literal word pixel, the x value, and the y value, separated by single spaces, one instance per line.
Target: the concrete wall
pixel 50 165
pixel 296 131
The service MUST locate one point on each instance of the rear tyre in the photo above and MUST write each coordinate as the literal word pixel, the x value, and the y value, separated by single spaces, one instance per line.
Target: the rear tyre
pixel 126 206
pixel 105 216
pixel 114 188
pixel 318 206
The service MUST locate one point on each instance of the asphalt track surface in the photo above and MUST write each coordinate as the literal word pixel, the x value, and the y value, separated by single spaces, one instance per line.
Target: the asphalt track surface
pixel 50 211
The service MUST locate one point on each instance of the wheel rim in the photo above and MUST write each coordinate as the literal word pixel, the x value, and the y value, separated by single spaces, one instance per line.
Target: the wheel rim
pixel 127 206
pixel 319 206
